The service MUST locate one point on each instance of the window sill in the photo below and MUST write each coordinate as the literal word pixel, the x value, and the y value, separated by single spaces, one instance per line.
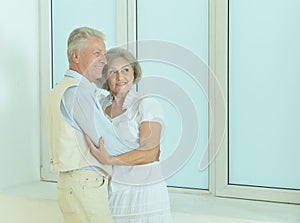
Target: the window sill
pixel 38 189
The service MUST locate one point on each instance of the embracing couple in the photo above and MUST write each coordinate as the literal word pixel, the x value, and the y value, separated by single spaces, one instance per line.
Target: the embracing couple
pixel 105 147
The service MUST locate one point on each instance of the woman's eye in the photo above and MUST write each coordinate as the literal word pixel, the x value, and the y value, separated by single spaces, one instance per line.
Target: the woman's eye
pixel 126 70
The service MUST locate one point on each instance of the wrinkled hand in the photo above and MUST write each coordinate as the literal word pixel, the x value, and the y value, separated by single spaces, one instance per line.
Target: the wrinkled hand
pixel 100 153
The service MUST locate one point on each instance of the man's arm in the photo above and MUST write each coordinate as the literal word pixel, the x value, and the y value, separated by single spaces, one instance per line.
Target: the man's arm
pixel 79 109
pixel 148 151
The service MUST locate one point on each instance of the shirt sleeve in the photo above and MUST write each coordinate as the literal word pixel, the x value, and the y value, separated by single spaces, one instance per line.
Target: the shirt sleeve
pixel 150 110
pixel 82 111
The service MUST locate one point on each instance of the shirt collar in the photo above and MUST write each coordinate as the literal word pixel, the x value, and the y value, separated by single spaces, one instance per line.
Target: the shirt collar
pixel 130 99
pixel 82 79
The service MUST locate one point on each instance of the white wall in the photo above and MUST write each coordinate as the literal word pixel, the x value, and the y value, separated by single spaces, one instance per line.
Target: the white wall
pixel 19 92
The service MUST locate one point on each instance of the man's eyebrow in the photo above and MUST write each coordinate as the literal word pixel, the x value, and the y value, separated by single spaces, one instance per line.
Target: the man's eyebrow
pixel 99 49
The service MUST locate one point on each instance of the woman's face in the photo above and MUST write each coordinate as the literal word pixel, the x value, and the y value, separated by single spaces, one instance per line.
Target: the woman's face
pixel 119 76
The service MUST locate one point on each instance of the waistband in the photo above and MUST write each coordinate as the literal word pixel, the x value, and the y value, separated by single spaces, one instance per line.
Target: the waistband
pixel 89 172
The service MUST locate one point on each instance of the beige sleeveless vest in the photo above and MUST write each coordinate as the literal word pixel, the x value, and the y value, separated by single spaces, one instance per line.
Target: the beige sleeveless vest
pixel 68 149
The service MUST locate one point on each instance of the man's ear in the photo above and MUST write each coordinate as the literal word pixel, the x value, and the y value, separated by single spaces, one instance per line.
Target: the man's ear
pixel 75 56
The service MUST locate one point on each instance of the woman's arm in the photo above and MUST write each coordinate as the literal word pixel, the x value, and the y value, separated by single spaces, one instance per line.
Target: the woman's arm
pixel 148 151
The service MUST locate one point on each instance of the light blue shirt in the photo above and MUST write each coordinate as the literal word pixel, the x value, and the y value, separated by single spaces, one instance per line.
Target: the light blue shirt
pixel 81 109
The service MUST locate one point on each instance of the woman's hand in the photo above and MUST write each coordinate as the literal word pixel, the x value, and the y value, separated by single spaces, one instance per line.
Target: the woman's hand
pixel 100 153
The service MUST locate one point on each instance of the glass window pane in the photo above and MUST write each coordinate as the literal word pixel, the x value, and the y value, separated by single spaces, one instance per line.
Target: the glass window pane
pixel 66 16
pixel 185 26
pixel 264 106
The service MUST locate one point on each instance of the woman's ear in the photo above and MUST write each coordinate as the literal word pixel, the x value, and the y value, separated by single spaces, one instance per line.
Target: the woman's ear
pixel 75 56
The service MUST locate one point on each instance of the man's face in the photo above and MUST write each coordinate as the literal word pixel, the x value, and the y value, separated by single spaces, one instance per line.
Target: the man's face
pixel 92 59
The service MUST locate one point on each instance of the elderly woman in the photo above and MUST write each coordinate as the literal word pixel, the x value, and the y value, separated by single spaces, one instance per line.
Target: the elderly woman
pixel 138 193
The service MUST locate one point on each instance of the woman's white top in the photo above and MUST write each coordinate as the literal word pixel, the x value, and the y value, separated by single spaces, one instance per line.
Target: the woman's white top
pixel 139 108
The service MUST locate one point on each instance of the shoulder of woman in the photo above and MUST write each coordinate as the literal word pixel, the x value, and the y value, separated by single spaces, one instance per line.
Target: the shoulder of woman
pixel 149 101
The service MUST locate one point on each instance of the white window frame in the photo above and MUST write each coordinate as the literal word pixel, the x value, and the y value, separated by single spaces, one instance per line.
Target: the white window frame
pixel 219 64
pixel 45 84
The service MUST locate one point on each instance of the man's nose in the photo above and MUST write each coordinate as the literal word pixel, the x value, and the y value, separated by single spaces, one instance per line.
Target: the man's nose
pixel 104 60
